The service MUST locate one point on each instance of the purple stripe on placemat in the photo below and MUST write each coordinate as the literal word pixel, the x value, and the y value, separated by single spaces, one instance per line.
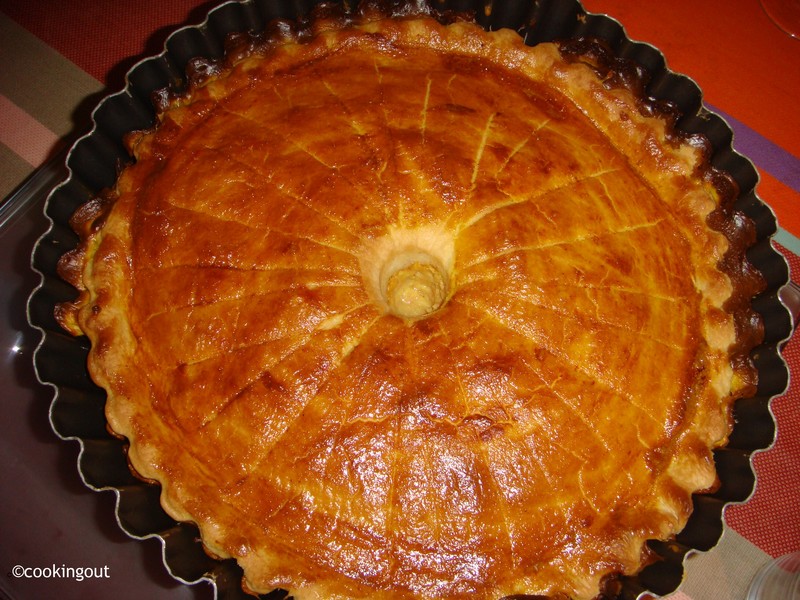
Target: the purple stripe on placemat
pixel 781 164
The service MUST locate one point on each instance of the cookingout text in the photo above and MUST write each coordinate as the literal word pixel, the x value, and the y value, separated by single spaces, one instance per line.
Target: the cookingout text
pixel 60 572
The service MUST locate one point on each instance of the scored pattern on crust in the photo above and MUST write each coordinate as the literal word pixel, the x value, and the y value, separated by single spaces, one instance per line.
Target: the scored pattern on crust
pixel 352 453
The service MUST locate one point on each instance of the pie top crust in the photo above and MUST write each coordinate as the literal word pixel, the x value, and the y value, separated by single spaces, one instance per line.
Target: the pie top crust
pixel 401 309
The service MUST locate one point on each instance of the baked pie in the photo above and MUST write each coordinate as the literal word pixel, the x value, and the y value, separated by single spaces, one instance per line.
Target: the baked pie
pixel 395 307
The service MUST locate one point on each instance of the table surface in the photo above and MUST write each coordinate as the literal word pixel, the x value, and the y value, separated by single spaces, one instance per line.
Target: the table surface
pixel 58 59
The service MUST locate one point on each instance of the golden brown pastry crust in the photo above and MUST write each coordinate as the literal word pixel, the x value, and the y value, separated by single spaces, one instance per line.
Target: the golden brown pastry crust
pixel 547 403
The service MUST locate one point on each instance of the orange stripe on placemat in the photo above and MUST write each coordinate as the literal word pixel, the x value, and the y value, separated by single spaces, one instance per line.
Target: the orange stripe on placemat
pixel 96 36
pixel 24 135
pixel 783 200
pixel 771 518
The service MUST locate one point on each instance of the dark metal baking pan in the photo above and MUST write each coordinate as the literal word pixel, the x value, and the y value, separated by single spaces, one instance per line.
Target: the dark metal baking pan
pixel 77 409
